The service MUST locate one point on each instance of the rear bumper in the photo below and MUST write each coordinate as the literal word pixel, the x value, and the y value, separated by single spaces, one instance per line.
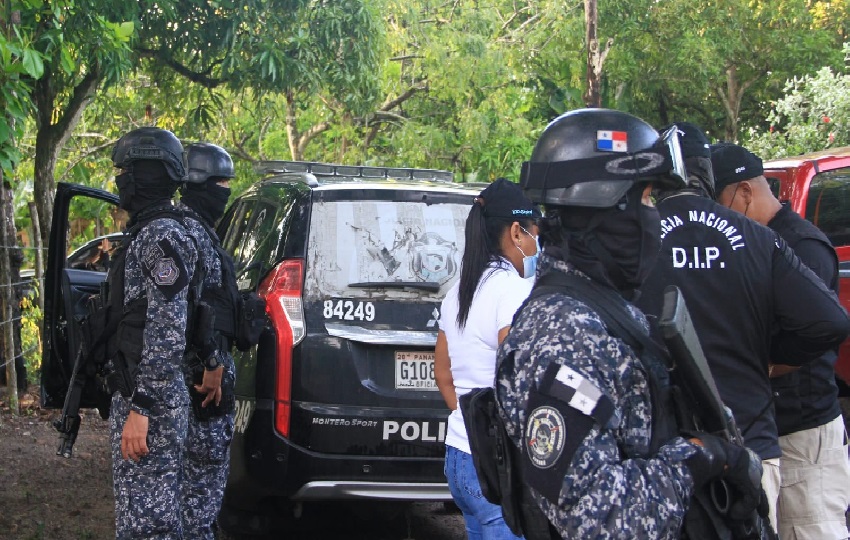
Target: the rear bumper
pixel 384 491
pixel 265 465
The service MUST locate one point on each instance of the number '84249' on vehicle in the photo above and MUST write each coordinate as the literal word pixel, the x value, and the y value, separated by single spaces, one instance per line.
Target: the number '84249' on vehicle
pixel 349 310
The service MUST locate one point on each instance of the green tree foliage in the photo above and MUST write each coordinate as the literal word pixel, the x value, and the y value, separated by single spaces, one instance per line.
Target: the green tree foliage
pixel 713 63
pixel 813 115
pixel 484 101
pixel 317 54
pixel 465 85
pixel 83 44
pixel 20 63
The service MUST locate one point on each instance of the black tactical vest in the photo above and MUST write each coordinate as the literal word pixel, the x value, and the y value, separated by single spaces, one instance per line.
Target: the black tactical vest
pixel 116 331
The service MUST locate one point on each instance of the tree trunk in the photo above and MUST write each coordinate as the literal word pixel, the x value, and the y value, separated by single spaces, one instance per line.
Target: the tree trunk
pixel 6 299
pixel 663 113
pixel 732 95
pixel 39 255
pixel 44 186
pixel 292 128
pixel 595 55
pixel 51 136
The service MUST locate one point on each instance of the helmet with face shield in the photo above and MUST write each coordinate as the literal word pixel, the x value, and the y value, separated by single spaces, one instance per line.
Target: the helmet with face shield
pixel 590 169
pixel 592 158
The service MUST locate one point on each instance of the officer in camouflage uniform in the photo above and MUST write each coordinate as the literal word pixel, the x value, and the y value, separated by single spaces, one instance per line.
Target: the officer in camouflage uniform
pixel 211 428
pixel 582 407
pixel 148 424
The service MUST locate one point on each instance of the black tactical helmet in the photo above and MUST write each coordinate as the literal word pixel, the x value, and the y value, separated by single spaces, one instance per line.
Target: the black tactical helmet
pixel 592 157
pixel 151 143
pixel 207 161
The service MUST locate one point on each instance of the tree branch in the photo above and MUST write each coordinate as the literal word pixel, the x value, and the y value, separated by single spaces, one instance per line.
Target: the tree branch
pixel 405 57
pixel 311 134
pixel 86 155
pixel 83 93
pixel 404 96
pixel 202 78
pixel 239 149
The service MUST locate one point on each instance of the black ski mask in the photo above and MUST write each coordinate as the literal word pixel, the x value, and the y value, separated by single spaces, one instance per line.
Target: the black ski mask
pixel 146 183
pixel 619 245
pixel 208 200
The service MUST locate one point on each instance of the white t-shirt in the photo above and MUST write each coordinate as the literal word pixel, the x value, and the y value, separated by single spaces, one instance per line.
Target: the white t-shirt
pixel 472 350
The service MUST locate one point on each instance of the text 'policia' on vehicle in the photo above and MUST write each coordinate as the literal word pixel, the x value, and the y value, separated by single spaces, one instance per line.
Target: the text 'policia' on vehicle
pixel 338 400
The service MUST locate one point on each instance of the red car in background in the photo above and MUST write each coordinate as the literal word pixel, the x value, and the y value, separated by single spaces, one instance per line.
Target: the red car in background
pixel 818 188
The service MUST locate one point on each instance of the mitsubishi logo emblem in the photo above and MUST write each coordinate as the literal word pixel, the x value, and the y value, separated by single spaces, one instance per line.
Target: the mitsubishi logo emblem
pixel 436 317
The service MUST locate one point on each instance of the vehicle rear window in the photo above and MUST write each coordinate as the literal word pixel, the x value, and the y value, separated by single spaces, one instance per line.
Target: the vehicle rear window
pixel 828 205
pixel 774 184
pixel 369 249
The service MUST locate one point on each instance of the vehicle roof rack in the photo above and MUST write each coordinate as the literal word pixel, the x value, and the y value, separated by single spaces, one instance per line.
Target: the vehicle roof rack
pixel 329 170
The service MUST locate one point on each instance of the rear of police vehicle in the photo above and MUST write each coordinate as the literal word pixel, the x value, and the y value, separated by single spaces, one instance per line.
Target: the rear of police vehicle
pixel 338 401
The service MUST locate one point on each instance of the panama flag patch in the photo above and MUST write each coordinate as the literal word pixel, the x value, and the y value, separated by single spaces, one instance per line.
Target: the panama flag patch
pixel 612 141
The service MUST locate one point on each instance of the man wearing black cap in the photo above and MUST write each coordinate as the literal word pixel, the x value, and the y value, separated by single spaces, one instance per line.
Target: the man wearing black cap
pixel 815 469
pixel 752 300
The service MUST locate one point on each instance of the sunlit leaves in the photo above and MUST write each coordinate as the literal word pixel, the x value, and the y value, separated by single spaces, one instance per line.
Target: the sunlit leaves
pixel 813 115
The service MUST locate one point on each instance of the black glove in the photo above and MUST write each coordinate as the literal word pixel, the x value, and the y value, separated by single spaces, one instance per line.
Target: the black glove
pixel 738 466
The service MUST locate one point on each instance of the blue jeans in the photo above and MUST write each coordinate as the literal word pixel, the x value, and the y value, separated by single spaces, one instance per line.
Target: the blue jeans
pixel 483 520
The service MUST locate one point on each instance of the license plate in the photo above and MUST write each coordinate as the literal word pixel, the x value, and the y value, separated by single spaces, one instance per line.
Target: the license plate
pixel 414 370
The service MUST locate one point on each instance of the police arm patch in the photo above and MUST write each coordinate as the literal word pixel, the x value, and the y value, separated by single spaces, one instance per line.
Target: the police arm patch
pixel 564 407
pixel 165 269
pixel 544 436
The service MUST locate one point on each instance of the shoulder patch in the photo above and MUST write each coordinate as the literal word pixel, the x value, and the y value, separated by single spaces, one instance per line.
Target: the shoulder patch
pixel 164 266
pixel 579 393
pixel 152 254
pixel 563 409
pixel 166 272
pixel 544 436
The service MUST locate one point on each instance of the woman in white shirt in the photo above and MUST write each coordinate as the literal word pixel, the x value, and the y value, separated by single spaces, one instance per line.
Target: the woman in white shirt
pixel 496 276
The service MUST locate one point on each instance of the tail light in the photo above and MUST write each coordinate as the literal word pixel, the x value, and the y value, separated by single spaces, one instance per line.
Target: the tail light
pixel 282 291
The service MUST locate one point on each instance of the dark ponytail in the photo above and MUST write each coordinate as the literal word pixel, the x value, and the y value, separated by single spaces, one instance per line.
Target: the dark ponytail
pixel 483 245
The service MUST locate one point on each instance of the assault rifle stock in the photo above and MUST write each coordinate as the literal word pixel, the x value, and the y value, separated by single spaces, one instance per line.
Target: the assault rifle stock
pixel 690 372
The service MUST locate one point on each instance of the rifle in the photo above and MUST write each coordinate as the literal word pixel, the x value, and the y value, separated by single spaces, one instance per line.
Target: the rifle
pixel 85 375
pixel 690 371
pixel 68 424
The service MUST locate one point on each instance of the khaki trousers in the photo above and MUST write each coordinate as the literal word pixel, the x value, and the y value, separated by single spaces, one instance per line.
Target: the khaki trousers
pixel 815 488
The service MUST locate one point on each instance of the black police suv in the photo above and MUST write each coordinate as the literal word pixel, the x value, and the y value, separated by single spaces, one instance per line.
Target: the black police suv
pixel 338 400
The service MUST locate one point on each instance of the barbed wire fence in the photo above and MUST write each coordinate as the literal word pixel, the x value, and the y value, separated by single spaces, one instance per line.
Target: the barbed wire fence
pixel 28 286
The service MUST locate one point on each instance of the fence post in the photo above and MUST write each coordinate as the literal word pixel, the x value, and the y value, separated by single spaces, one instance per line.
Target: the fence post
pixel 7 297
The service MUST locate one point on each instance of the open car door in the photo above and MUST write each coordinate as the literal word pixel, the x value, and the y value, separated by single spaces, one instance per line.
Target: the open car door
pixel 66 292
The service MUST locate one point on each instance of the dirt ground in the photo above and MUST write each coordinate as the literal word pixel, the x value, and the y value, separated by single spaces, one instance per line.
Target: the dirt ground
pixel 44 496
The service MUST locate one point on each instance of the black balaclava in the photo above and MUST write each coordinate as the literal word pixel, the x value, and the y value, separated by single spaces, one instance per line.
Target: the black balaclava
pixel 145 183
pixel 208 200
pixel 618 246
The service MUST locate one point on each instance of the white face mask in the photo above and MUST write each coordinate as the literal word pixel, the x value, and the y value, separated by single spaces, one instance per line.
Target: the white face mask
pixel 529 262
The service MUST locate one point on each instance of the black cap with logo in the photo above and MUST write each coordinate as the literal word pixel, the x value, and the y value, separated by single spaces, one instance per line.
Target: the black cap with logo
pixel 505 200
pixel 733 164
